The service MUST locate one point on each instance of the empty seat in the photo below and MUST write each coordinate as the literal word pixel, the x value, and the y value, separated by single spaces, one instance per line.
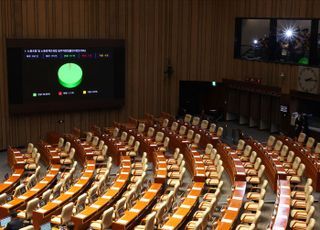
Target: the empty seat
pixel 195 121
pixel 310 143
pixel 31 206
pixel 148 223
pixel 219 131
pixel 204 124
pixel 105 221
pixel 301 138
pixel 80 204
pixel 65 216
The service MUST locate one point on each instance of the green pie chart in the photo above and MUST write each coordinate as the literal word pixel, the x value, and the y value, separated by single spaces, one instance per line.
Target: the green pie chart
pixel 70 75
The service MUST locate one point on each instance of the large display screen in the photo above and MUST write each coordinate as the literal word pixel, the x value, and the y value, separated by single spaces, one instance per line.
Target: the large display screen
pixel 59 75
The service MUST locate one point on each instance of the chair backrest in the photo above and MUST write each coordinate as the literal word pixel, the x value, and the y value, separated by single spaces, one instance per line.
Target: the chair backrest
pixel 95 141
pixel 256 217
pixel 212 128
pixel 310 213
pixel 71 154
pixel 37 173
pixel 31 206
pixel 187 118
pixel 115 132
pixel 29 148
pixel 166 142
pixel 174 126
pixel 197 138
pixel 311 224
pixel 301 137
pixel 160 213
pixel 89 137
pixel 141 127
pixel 131 140
pixel 301 169
pixel 165 123
pixel 67 147
pixel 261 171
pixel 290 156
pixel 34 152
pixel 190 134
pixel 262 193
pixel 278 145
pixel 195 120
pixel 309 203
pixel 124 136
pixel 208 149
pixel 136 146
pixel 257 163
pixel 92 193
pixel 204 124
pixel 159 137
pixel 253 157
pixel 56 189
pixel 150 132
pixel 104 150
pixel 310 142
pixel 220 132
pixel 81 202
pixel 18 190
pixel 32 181
pixel 66 212
pixel 284 151
pixel 309 182
pixel 182 130
pixel 264 184
pixel 296 163
pixel 317 148
pixel 46 196
pixel 247 150
pixel 150 220
pixel 241 144
pixel 107 218
pixel 101 144
pixel 271 141
pixel 119 207
pixel 60 142
pixel 176 153
pixel 179 159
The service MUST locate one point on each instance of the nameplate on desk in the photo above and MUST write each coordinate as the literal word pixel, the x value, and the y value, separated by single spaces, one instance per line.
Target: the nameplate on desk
pixel 8 182
pixel 192 197
pixel 122 221
pixel 162 168
pixel 145 200
pixel 77 185
pixel 54 169
pixel 126 166
pixel 16 174
pixel 161 176
pixel 34 189
pixel 162 162
pixel 200 174
pixel 125 160
pixel 41 210
pixel 69 193
pixel 84 178
pixel 89 171
pixel 114 188
pixel 57 201
pixel 237 198
pixel 7 205
pixel 89 153
pixel 197 188
pixel 177 216
pixel 96 206
pixel 124 173
pixel 50 175
pixel 152 190
pixel 90 164
pixel 226 220
pixel 233 209
pixel 81 216
pixel 43 182
pixel 199 162
pixel 284 187
pixel 240 188
pixel 239 166
pixel 55 157
pixel 153 145
pixel 106 197
pixel 120 180
pixel 196 156
pixel 18 157
pixel 134 210
pixel 185 206
pixel 23 197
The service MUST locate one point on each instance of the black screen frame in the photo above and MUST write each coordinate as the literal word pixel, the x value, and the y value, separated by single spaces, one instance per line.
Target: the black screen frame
pixel 15 84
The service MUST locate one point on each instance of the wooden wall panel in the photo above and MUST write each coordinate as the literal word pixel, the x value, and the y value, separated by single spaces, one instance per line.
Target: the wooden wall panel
pixel 195 35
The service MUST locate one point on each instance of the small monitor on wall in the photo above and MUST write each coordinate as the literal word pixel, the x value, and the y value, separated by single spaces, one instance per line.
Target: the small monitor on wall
pixel 65 74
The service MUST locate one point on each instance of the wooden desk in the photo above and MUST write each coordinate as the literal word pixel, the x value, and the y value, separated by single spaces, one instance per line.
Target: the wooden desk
pixel 177 220
pixel 8 185
pixel 43 215
pixel 84 152
pixel 21 201
pixel 15 158
pixel 134 215
pixel 92 212
pixel 160 165
pixel 312 169
pixel 274 169
pixel 280 220
pixel 234 206
pixel 49 153
pixel 198 165
pixel 231 162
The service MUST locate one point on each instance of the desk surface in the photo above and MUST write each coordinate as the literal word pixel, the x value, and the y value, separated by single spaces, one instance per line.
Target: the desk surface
pixel 94 210
pixel 283 210
pixel 10 183
pixel 187 206
pixel 133 214
pixel 160 163
pixel 234 206
pixel 44 213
